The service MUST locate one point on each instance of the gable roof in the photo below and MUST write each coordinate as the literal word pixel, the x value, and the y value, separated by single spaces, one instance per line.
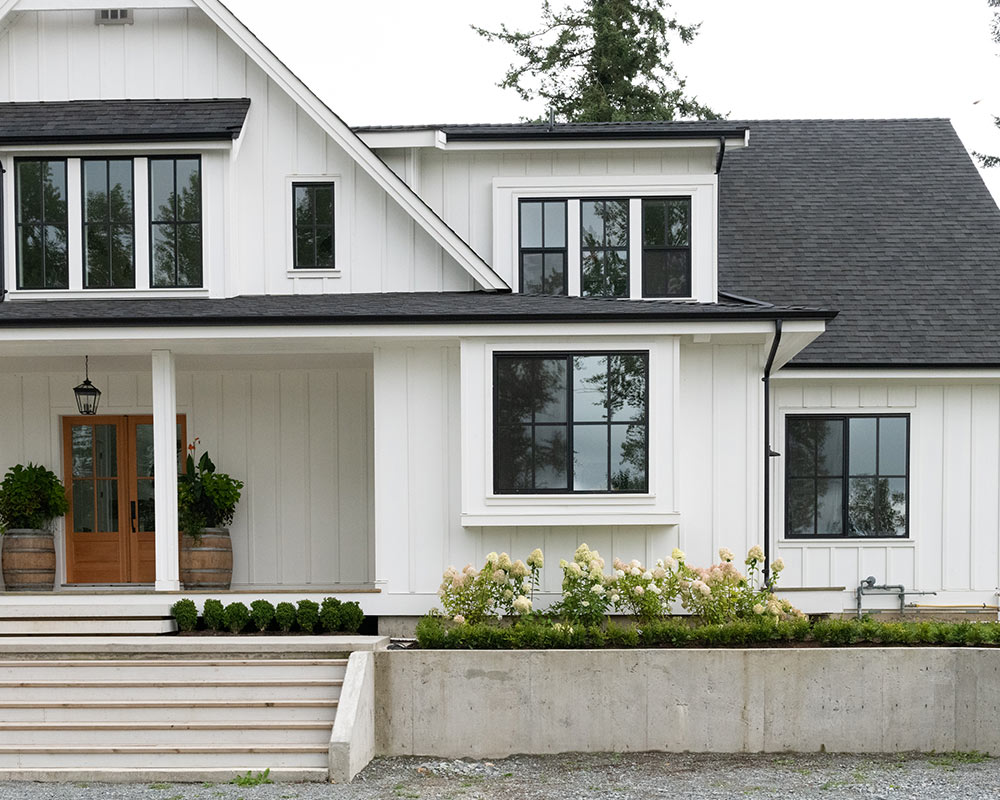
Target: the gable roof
pixel 79 121
pixel 339 131
pixel 887 221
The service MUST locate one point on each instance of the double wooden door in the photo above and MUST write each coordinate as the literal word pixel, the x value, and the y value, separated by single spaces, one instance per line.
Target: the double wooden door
pixel 111 522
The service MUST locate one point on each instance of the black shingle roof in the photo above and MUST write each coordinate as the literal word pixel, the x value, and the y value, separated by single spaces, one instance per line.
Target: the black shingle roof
pixel 399 307
pixel 886 221
pixel 121 121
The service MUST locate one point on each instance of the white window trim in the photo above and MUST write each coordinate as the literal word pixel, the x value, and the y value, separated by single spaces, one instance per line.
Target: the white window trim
pixel 778 481
pixel 139 155
pixel 340 222
pixel 702 189
pixel 481 506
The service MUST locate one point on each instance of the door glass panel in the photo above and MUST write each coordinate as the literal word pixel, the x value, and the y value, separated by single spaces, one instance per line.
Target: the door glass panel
pixel 106 451
pixel 83 451
pixel 83 506
pixel 107 506
pixel 144 450
pixel 146 510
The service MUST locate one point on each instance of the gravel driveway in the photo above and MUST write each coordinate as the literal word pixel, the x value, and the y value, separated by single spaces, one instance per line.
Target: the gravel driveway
pixel 575 776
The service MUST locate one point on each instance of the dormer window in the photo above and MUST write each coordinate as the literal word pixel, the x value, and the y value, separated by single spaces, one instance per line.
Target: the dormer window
pixel 543 246
pixel 175 221
pixel 108 224
pixel 42 224
pixel 666 247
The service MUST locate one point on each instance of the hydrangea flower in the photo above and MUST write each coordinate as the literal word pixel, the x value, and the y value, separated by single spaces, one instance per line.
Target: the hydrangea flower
pixel 777 565
pixel 726 554
pixel 756 553
pixel 677 554
pixel 535 559
pixel 522 605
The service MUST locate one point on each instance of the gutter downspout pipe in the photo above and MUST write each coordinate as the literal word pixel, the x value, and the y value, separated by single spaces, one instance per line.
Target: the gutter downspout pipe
pixel 768 450
pixel 3 266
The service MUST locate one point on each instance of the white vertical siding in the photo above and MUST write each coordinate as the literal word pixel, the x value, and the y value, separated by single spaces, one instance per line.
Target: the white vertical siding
pixel 301 439
pixel 954 543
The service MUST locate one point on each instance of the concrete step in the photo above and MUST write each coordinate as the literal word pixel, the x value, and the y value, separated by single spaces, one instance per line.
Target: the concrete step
pixel 83 671
pixel 164 734
pixel 80 626
pixel 181 711
pixel 160 775
pixel 158 689
pixel 52 607
pixel 100 758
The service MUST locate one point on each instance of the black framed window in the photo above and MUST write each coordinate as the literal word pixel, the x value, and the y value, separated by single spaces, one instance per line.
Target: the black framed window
pixel 567 422
pixel 42 224
pixel 312 225
pixel 108 223
pixel 604 226
pixel 175 221
pixel 666 247
pixel 542 246
pixel 847 476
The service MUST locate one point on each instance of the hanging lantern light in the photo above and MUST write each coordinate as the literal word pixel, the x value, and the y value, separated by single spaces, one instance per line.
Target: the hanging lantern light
pixel 87 395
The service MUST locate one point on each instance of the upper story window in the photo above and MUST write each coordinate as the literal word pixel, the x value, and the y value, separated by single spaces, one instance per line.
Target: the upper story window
pixel 542 238
pixel 42 224
pixel 313 225
pixel 175 221
pixel 108 224
pixel 570 423
pixel 604 240
pixel 846 476
pixel 666 247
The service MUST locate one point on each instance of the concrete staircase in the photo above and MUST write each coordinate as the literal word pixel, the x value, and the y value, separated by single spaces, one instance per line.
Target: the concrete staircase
pixel 22 618
pixel 204 718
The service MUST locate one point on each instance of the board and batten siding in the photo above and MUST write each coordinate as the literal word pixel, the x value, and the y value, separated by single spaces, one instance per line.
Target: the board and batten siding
pixel 181 54
pixel 300 439
pixel 954 543
pixel 418 474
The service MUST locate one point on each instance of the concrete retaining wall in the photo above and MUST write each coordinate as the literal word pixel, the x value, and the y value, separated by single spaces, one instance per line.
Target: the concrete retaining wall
pixel 493 704
pixel 352 741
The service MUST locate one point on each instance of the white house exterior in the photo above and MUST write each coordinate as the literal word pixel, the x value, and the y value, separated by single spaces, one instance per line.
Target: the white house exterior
pixel 348 320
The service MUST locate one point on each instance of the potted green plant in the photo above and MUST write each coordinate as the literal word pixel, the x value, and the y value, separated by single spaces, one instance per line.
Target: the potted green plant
pixel 30 498
pixel 206 503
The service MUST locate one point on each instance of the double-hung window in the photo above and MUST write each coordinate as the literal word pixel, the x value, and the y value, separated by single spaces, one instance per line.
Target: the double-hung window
pixel 42 224
pixel 542 238
pixel 570 422
pixel 846 476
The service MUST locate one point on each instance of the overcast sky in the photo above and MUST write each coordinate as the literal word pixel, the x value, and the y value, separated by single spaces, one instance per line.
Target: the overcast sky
pixel 418 61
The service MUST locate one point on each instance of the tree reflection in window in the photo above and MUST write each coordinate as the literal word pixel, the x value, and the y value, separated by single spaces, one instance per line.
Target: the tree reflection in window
pixel 175 224
pixel 42 226
pixel 108 224
pixel 593 406
pixel 604 248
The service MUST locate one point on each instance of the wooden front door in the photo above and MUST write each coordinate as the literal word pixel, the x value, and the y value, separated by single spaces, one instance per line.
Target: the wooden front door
pixel 110 526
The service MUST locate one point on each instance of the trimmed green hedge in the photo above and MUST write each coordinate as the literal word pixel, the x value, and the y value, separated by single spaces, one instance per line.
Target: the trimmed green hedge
pixel 339 617
pixel 434 632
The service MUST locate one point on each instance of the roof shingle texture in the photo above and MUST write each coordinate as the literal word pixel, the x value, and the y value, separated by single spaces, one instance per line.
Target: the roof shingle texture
pixel 121 121
pixel 886 221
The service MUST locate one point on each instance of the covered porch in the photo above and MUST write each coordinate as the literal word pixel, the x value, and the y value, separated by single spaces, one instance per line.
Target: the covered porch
pixel 292 419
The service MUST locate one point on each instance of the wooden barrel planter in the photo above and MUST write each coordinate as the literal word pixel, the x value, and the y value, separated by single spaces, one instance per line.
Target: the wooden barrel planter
pixel 29 560
pixel 207 562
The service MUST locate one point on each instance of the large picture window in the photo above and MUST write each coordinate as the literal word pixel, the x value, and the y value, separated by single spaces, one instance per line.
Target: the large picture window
pixel 108 224
pixel 570 423
pixel 847 476
pixel 312 225
pixel 42 225
pixel 175 221
pixel 542 238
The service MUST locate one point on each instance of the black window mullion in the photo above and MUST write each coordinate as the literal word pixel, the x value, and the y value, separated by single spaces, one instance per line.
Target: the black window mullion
pixel 607 417
pixel 570 417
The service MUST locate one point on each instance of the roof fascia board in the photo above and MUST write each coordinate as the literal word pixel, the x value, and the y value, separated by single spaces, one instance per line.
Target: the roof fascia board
pixel 92 5
pixel 592 144
pixel 422 138
pixel 83 148
pixel 335 127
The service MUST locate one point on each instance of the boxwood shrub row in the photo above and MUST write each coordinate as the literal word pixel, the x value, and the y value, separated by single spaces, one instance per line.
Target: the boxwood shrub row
pixel 330 616
pixel 436 632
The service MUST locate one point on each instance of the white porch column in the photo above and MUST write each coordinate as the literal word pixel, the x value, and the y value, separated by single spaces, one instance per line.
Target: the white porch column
pixel 165 469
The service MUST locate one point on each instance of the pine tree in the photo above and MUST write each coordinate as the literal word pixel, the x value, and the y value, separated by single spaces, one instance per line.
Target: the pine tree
pixel 987 160
pixel 603 61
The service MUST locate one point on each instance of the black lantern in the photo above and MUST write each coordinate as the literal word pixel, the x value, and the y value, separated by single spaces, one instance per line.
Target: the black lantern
pixel 87 395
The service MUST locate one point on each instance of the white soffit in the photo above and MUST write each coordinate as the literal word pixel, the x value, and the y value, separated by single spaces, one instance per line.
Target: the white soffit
pixel 334 126
pixel 438 139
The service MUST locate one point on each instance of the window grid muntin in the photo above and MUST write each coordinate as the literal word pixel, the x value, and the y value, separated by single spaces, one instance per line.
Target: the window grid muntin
pixel 543 250
pixel 315 225
pixel 176 223
pixel 570 423
pixel 603 247
pixel 110 224
pixel 665 248
pixel 41 223
pixel 845 475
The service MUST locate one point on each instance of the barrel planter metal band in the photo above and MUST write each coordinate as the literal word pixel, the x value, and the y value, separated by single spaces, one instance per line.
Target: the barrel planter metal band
pixel 29 560
pixel 207 562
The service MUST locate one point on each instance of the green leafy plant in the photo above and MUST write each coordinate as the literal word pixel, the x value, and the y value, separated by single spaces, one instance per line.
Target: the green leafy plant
pixel 307 615
pixel 205 498
pixel 30 497
pixel 329 615
pixel 261 614
pixel 251 779
pixel 284 616
pixel 351 617
pixel 235 617
pixel 186 613
pixel 213 614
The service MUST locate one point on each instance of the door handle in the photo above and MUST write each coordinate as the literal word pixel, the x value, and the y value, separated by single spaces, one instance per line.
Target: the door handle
pixel 133 516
